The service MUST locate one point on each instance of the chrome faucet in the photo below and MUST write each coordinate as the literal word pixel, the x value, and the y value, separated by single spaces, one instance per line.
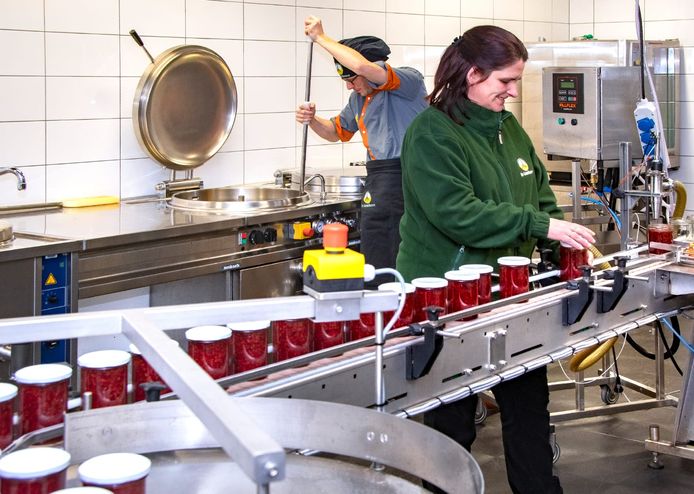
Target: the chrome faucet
pixel 21 180
pixel 323 194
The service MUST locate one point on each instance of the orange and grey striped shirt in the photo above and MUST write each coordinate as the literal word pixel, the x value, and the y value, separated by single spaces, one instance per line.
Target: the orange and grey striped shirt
pixel 383 116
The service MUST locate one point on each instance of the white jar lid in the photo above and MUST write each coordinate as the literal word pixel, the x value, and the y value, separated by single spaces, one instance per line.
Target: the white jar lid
pixel 513 261
pixel 480 268
pixel 430 282
pixel 43 374
pixel 248 325
pixel 83 490
pixel 463 275
pixel 103 359
pixel 114 468
pixel 208 333
pixel 396 287
pixel 7 391
pixel 31 463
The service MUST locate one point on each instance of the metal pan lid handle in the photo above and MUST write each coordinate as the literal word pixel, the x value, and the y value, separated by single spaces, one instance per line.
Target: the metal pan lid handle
pixel 138 40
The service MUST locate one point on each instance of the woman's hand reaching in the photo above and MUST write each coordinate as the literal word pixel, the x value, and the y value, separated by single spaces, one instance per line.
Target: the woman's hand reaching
pixel 570 234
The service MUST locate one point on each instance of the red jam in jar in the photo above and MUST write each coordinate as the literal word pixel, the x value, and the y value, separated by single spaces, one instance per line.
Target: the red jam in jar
pixel 120 473
pixel 208 346
pixel 43 391
pixel 463 290
pixel 571 260
pixel 363 327
pixel 104 373
pixel 407 315
pixel 248 345
pixel 34 471
pixel 8 392
pixel 513 275
pixel 429 292
pixel 142 373
pixel 291 338
pixel 327 334
pixel 661 233
pixel 484 287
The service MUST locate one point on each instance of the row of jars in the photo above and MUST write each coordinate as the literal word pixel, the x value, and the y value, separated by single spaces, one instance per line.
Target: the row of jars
pixel 239 347
pixel 44 470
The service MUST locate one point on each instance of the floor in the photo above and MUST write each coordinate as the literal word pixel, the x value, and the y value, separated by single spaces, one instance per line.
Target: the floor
pixel 604 454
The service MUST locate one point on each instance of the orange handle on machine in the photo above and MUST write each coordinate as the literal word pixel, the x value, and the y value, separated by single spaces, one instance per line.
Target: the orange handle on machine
pixel 335 237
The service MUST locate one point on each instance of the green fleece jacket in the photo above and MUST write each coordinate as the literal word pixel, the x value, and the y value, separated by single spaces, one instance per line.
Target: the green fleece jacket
pixel 473 192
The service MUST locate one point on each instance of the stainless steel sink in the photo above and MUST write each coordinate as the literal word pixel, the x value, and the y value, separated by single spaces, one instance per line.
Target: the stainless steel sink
pixel 240 199
pixel 11 239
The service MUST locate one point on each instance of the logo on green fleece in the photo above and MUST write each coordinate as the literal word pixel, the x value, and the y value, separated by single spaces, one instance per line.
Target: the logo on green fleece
pixel 525 168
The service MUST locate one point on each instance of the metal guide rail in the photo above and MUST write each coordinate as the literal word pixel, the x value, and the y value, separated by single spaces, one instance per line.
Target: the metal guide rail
pixel 508 338
pixel 434 364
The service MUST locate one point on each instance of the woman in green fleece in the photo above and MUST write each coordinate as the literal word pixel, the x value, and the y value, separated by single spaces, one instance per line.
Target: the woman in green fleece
pixel 474 191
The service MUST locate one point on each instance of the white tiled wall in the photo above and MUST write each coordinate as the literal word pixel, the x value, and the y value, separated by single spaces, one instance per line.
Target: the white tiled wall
pixel 69 70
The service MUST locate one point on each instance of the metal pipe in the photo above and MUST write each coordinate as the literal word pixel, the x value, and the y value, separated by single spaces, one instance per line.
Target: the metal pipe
pixel 380 383
pixel 307 99
pixel 625 178
pixel 323 194
pixel 21 179
pixel 576 188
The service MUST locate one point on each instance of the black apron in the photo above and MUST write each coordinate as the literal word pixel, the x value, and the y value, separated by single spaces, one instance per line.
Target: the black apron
pixel 381 210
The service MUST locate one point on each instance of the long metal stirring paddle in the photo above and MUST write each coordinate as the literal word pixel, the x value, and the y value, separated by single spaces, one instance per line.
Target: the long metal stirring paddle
pixel 307 99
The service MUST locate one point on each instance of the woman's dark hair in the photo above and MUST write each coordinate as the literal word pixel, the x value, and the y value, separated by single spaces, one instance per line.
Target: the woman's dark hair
pixel 487 48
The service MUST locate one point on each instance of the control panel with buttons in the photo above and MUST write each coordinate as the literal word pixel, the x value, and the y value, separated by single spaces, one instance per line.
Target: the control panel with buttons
pixel 291 232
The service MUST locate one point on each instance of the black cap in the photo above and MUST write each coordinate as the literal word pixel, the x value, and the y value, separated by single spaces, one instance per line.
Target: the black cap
pixel 372 48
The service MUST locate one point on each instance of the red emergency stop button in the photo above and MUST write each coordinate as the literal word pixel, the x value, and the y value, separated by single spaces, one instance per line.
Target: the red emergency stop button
pixel 308 232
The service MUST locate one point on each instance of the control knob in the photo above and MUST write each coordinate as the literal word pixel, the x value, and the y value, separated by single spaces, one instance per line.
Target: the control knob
pixel 270 235
pixel 256 237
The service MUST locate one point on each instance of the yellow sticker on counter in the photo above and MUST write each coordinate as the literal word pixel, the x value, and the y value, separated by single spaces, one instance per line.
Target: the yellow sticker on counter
pixel 51 280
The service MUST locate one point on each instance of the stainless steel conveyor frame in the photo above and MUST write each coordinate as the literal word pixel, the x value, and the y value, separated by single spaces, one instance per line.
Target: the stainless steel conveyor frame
pixel 510 337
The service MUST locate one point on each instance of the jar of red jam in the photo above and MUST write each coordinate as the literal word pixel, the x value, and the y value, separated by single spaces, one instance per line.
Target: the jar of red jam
pixel 363 327
pixel 248 345
pixel 290 338
pixel 43 393
pixel 34 471
pixel 8 392
pixel 121 473
pixel 513 275
pixel 659 232
pixel 104 374
pixel 428 292
pixel 208 346
pixel 570 261
pixel 407 315
pixel 484 286
pixel 142 372
pixel 463 290
pixel 327 334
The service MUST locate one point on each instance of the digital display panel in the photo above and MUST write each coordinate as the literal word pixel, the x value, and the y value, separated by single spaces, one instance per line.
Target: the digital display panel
pixel 567 92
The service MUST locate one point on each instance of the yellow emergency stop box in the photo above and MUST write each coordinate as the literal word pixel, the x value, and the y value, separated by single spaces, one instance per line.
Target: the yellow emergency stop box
pixel 329 271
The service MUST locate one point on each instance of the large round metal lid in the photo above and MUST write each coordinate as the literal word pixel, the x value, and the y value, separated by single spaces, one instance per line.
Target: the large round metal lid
pixel 185 106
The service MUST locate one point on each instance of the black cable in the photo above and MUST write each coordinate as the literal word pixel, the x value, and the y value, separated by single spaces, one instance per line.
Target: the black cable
pixel 618 388
pixel 667 347
pixel 671 349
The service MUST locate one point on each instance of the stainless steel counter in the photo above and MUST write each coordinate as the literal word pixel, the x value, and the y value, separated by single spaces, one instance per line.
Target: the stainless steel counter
pixel 84 229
